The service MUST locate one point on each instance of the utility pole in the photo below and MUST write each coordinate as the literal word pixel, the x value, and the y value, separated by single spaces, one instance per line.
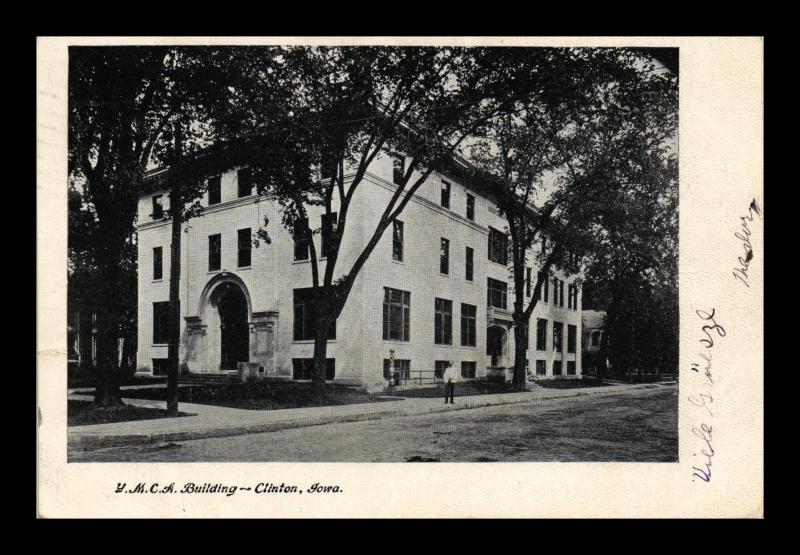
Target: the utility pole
pixel 176 212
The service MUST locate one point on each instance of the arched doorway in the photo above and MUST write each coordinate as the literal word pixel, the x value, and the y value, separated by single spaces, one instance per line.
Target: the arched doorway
pixel 234 327
pixel 495 344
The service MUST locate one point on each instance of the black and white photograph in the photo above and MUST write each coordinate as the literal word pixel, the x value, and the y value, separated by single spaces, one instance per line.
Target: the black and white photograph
pixel 534 264
pixel 372 254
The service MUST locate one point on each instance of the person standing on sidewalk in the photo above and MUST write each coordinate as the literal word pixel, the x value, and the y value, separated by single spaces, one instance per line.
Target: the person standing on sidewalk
pixel 449 383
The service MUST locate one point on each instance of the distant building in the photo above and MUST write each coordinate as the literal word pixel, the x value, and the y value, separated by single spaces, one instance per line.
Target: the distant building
pixel 593 325
pixel 436 289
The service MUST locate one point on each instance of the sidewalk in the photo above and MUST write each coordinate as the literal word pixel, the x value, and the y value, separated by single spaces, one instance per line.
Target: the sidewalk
pixel 212 421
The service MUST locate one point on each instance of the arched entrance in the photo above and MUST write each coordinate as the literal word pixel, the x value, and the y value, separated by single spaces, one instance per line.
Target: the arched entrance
pixel 231 305
pixel 495 344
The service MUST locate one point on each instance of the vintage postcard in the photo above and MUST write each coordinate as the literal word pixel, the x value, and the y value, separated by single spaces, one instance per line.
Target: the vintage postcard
pixel 274 272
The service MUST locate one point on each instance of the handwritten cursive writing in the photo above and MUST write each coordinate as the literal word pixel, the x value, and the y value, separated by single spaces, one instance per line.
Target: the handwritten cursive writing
pixel 702 369
pixel 740 271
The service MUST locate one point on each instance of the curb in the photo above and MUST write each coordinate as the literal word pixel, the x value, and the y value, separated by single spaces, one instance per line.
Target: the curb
pixel 90 442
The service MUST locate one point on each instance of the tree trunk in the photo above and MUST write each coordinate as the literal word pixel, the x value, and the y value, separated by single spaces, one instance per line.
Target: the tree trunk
pixel 173 369
pixel 320 357
pixel 520 353
pixel 107 383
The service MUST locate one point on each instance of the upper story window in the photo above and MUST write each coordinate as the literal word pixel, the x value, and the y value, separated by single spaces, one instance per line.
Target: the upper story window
pixel 498 247
pixel 305 316
pixel 497 293
pixel 470 207
pixel 469 269
pixel 558 336
pixel 468 319
pixel 443 322
pixel 595 339
pixel 158 207
pixel 245 248
pixel 444 256
pixel 158 263
pixel 527 282
pixel 445 195
pixel 328 229
pixel 541 334
pixel 302 238
pixel 399 169
pixel 572 334
pixel 214 252
pixel 396 314
pixel 561 292
pixel 244 177
pixel 161 323
pixel 546 291
pixel 397 240
pixel 214 190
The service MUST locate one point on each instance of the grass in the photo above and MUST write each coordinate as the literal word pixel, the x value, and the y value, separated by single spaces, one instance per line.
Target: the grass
pixel 570 384
pixel 482 387
pixel 88 381
pixel 260 395
pixel 83 413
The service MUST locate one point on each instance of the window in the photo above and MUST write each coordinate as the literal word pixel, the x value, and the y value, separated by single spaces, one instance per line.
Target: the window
pixel 468 320
pixel 541 334
pixel 546 292
pixel 470 207
pixel 402 369
pixel 527 282
pixel 572 335
pixel 498 293
pixel 302 238
pixel 596 339
pixel 498 247
pixel 558 336
pixel 440 366
pixel 555 291
pixel 214 190
pixel 561 292
pixel 398 174
pixel 445 196
pixel 245 248
pixel 569 296
pixel 245 179
pixel 557 366
pixel 444 256
pixel 305 316
pixel 328 229
pixel 214 252
pixel 570 368
pixel 161 322
pixel 303 368
pixel 468 265
pixel 541 367
pixel 574 297
pixel 158 263
pixel 396 314
pixel 158 207
pixel 443 324
pixel 397 240
pixel 468 369
pixel 160 366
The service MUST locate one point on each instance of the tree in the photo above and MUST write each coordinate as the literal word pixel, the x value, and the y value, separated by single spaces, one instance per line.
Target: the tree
pixel 121 100
pixel 115 118
pixel 347 106
pixel 577 145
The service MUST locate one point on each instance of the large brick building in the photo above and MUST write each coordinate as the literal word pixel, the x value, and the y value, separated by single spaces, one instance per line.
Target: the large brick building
pixel 437 288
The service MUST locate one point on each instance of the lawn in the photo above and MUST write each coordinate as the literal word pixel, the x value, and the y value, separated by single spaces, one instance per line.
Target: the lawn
pixel 260 395
pixel 83 413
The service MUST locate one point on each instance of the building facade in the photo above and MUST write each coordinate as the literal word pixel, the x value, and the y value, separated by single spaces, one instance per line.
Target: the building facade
pixel 436 289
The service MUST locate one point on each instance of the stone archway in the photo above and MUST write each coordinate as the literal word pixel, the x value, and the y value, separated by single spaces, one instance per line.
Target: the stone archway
pixel 234 336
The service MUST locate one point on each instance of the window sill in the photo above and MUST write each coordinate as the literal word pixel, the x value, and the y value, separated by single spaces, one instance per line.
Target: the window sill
pixel 211 272
pixel 400 262
pixel 308 341
pixel 159 344
pixel 158 280
pixel 244 268
pixel 302 261
pixel 397 341
pixel 444 275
